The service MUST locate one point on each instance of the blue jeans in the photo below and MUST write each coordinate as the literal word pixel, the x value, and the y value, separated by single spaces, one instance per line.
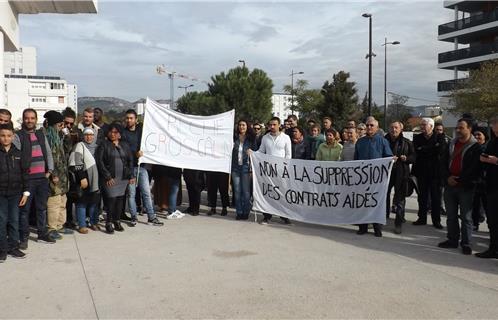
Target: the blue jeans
pixel 242 192
pixel 39 191
pixel 174 186
pixel 455 198
pixel 82 209
pixel 9 222
pixel 143 185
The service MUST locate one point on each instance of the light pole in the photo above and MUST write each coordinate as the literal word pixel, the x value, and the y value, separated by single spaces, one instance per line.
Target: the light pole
pixel 385 77
pixel 292 88
pixel 369 56
pixel 243 63
pixel 185 87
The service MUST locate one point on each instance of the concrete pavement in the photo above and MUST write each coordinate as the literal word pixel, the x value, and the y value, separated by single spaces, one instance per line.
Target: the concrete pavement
pixel 216 267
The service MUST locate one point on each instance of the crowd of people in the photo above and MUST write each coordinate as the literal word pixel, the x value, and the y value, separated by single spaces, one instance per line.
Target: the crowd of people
pixel 67 176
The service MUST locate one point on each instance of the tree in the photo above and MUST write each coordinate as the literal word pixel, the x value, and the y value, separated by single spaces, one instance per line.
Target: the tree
pixel 307 101
pixel 398 110
pixel 478 95
pixel 249 93
pixel 198 103
pixel 340 98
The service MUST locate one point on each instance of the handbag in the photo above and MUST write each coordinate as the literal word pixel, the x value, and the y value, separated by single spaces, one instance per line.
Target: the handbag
pixel 75 191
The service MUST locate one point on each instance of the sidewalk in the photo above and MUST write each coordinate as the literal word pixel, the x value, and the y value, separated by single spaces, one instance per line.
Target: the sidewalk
pixel 216 267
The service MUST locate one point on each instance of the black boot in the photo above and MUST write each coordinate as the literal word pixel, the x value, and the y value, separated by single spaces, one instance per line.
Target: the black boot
pixel 118 226
pixel 109 228
pixel 377 230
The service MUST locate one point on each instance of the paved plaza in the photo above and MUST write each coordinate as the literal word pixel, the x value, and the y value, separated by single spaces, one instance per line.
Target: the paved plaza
pixel 216 267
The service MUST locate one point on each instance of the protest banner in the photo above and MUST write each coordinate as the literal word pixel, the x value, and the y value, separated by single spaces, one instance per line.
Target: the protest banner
pixel 186 141
pixel 321 192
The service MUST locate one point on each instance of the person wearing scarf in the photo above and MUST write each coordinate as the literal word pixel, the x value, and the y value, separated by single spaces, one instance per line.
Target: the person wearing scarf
pixel 82 161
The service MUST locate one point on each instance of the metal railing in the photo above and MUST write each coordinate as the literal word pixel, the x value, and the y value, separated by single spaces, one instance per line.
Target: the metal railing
pixel 472 21
pixel 470 52
pixel 450 85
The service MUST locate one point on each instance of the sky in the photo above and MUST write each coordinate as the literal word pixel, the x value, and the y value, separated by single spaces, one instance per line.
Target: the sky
pixel 115 52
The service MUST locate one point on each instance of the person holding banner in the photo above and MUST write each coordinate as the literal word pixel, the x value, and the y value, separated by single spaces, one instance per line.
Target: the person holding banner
pixel 404 154
pixel 244 140
pixel 115 165
pixel 372 146
pixel 331 149
pixel 217 181
pixel 278 144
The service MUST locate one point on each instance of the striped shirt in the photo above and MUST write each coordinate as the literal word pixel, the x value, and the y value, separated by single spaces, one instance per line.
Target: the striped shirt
pixel 37 167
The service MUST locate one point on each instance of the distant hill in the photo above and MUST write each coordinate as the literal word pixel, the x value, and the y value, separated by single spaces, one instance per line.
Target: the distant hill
pixel 110 103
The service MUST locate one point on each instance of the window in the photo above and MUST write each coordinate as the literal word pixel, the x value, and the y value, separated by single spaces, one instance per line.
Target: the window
pixel 20 70
pixel 12 70
pixel 61 100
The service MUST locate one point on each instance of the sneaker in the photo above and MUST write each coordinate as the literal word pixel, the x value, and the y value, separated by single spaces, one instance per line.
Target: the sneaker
pixel 155 222
pixel 173 216
pixel 466 250
pixel 46 238
pixel 3 257
pixel 447 245
pixel 54 235
pixel 65 231
pixel 180 214
pixel 265 221
pixel 133 222
pixel 23 245
pixel 16 253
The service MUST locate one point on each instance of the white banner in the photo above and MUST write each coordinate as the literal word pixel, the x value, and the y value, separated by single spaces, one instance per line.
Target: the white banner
pixel 321 192
pixel 185 141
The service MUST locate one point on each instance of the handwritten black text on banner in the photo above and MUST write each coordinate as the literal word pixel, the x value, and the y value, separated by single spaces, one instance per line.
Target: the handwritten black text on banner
pixel 321 192
pixel 186 141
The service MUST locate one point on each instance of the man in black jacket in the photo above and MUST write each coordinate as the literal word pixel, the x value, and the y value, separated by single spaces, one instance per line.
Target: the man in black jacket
pixel 489 160
pixel 460 171
pixel 12 185
pixel 429 147
pixel 404 154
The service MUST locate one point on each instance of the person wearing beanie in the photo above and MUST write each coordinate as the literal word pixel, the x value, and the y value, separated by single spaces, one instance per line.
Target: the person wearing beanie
pixel 58 182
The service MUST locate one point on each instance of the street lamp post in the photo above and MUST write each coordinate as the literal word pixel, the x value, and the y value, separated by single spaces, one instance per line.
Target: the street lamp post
pixel 243 63
pixel 369 56
pixel 385 78
pixel 292 88
pixel 185 87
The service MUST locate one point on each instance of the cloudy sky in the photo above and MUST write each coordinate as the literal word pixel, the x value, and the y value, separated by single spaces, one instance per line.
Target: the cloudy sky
pixel 115 52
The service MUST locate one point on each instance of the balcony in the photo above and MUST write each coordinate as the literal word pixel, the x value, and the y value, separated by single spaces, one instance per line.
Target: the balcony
pixel 468 58
pixel 471 28
pixel 450 85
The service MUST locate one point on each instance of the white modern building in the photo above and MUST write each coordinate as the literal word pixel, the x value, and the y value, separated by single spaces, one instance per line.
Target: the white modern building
pixel 281 103
pixel 25 89
pixel 23 78
pixel 473 34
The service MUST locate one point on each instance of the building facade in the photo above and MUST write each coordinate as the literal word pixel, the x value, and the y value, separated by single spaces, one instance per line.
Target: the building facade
pixel 281 103
pixel 25 89
pixel 474 36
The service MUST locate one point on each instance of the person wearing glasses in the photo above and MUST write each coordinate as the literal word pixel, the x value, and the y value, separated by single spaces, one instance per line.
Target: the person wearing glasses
pixel 259 133
pixel 372 146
